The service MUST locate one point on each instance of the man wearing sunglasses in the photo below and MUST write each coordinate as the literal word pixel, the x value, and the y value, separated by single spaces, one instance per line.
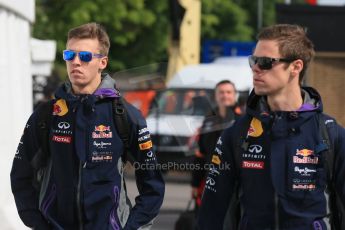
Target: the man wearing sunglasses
pixel 280 152
pixel 82 185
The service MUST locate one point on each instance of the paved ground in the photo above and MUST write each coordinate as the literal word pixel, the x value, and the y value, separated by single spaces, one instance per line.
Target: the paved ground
pixel 177 195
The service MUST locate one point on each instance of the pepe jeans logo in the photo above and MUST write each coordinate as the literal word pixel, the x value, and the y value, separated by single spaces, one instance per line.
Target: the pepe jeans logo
pixel 304 171
pixel 101 144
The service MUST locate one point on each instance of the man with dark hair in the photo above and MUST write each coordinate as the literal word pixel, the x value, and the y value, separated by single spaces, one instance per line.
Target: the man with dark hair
pixel 213 125
pixel 77 167
pixel 286 156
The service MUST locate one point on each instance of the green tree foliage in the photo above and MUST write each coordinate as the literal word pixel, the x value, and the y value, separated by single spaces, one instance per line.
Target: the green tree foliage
pixel 268 12
pixel 224 20
pixel 139 29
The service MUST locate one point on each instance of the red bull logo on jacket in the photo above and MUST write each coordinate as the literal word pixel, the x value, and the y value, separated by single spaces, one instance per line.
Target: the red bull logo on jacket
pixel 305 156
pixel 102 131
pixel 304 152
pixel 60 108
pixel 102 128
pixel 255 129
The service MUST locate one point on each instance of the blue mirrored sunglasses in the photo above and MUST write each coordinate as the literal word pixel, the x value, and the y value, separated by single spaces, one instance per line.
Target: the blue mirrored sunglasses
pixel 84 56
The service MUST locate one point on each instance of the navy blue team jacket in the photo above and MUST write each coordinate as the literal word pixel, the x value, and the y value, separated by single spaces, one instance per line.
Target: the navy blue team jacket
pixel 281 175
pixel 83 186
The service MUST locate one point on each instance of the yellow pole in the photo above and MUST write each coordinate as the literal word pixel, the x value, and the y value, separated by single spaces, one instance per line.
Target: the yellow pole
pixel 186 51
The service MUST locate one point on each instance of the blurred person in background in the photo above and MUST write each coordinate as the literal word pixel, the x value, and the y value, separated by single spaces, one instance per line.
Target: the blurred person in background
pixel 213 125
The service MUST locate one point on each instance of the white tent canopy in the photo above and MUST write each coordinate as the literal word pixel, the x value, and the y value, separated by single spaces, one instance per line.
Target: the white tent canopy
pixel 208 75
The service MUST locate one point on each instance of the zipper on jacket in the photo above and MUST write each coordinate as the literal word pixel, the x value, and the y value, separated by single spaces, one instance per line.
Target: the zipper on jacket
pixel 276 212
pixel 80 168
pixel 80 217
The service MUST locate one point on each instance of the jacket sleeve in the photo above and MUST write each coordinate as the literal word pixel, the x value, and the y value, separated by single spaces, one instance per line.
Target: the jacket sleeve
pixel 25 195
pixel 201 141
pixel 339 174
pixel 199 159
pixel 149 179
pixel 198 174
pixel 219 186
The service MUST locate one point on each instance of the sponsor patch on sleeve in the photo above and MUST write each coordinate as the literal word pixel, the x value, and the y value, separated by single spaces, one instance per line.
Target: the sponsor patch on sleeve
pixel 210 184
pixel 145 145
pixel 143 131
pixel 144 137
pixel 216 160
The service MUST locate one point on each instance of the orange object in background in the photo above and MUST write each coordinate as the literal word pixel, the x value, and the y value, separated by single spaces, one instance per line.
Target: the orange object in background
pixel 311 2
pixel 141 99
